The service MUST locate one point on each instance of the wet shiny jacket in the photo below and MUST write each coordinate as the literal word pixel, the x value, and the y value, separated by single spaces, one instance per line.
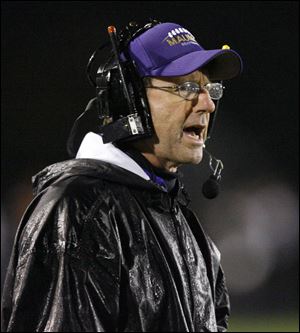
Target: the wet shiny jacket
pixel 101 249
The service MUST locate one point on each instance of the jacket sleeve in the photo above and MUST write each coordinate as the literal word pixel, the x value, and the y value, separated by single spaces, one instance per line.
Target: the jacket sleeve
pixel 222 302
pixel 222 305
pixel 65 269
pixel 216 275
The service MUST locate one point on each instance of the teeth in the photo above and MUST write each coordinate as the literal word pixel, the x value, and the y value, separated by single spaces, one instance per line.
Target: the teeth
pixel 194 135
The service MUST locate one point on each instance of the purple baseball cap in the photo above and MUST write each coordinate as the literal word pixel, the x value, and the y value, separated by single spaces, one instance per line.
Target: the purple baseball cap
pixel 168 49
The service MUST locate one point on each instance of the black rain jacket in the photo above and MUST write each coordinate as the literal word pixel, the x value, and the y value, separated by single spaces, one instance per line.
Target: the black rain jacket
pixel 100 249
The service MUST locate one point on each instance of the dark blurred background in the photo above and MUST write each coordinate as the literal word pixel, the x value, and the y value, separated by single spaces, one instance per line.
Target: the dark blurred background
pixel 45 46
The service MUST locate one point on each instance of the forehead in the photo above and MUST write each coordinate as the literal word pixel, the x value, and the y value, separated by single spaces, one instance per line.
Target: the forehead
pixel 196 76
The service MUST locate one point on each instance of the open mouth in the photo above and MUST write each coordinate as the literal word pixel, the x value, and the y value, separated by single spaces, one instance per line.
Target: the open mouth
pixel 193 132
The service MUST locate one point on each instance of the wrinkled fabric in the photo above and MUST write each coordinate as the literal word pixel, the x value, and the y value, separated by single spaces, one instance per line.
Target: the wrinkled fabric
pixel 100 249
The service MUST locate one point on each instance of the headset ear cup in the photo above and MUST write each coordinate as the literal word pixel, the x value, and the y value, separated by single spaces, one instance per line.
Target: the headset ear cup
pixel 117 103
pixel 112 103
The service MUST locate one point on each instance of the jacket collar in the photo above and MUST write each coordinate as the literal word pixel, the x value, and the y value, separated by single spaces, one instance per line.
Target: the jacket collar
pixel 93 147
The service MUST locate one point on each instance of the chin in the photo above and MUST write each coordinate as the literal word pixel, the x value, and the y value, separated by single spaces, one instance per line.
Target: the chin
pixel 194 158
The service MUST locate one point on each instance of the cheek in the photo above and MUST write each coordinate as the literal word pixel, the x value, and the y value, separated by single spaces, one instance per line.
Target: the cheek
pixel 167 126
pixel 166 117
pixel 160 117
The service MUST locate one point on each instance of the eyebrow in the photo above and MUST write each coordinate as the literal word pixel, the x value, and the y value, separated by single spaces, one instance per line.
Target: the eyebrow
pixel 205 81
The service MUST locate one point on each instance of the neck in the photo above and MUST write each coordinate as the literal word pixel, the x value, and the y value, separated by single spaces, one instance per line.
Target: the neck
pixel 160 163
pixel 146 148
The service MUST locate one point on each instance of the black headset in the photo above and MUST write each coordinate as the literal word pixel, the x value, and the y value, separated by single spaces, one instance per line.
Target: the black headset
pixel 120 112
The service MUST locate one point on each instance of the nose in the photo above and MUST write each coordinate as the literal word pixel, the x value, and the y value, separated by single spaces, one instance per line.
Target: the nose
pixel 204 103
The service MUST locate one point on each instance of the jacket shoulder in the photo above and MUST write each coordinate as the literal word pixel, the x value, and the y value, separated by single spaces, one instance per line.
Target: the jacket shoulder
pixel 64 240
pixel 69 216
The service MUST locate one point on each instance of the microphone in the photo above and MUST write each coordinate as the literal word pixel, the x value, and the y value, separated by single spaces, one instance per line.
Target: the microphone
pixel 211 188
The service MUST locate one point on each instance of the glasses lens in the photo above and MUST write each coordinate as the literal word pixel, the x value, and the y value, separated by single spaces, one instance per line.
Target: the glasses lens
pixel 215 90
pixel 189 90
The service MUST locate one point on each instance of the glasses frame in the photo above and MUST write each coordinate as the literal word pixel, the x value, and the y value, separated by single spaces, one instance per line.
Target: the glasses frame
pixel 198 88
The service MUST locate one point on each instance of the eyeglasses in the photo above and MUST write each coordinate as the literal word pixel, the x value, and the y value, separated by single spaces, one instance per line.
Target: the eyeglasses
pixel 191 90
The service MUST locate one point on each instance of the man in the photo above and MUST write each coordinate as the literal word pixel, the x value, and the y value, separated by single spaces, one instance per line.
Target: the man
pixel 108 243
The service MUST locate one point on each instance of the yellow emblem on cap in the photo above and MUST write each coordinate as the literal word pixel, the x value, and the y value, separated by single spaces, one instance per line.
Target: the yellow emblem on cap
pixel 225 47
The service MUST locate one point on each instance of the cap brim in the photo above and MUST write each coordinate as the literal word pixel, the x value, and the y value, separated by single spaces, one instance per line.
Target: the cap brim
pixel 219 64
